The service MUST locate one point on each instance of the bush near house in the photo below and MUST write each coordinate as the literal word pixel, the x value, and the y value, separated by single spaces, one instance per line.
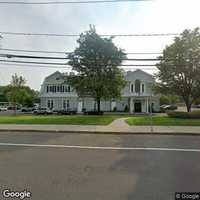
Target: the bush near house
pixel 185 115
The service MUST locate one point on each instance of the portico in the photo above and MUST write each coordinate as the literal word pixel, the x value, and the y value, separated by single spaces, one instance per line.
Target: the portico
pixel 139 105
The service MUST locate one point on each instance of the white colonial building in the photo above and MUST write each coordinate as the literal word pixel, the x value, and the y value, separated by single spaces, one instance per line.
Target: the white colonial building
pixel 136 97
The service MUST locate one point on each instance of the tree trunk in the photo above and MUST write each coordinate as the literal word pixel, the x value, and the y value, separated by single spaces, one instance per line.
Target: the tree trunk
pixel 188 105
pixel 98 105
pixel 15 109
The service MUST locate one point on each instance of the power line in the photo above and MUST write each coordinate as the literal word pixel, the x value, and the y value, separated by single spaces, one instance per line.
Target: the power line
pixel 65 58
pixel 32 57
pixel 34 51
pixel 138 65
pixel 145 53
pixel 63 52
pixel 77 35
pixel 65 64
pixel 30 62
pixel 67 2
pixel 33 66
pixel 59 67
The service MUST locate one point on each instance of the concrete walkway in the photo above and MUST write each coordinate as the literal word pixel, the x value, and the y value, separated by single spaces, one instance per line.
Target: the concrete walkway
pixel 119 126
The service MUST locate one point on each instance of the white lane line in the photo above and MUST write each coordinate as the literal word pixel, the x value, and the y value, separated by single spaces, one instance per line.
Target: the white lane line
pixel 100 147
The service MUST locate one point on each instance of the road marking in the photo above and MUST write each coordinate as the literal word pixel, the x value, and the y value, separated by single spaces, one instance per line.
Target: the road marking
pixel 100 147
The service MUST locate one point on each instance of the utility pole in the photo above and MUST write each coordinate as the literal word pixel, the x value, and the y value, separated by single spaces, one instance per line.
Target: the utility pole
pixel 0 40
pixel 151 112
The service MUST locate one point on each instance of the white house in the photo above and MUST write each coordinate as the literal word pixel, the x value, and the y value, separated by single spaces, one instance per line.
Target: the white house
pixel 137 96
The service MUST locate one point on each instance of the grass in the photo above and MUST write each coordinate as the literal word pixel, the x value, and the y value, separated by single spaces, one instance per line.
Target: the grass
pixel 162 121
pixel 64 120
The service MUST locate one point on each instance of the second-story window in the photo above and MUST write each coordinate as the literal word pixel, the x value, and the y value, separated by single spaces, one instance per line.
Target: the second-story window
pixel 132 86
pixel 142 88
pixel 58 88
pixel 137 86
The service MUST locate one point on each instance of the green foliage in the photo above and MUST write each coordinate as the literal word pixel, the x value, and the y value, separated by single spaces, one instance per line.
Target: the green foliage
pixel 179 68
pixel 169 99
pixel 197 101
pixel 18 93
pixel 96 62
pixel 3 97
pixel 75 120
pixel 185 115
pixel 177 114
pixel 162 121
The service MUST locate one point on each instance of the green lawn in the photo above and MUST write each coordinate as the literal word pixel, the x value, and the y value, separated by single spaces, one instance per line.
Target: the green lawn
pixel 162 121
pixel 74 120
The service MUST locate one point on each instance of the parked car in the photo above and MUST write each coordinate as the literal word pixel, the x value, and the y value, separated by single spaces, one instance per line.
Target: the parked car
pixel 43 111
pixel 67 112
pixel 93 112
pixel 196 106
pixel 168 107
pixel 13 108
pixel 26 109
pixel 3 109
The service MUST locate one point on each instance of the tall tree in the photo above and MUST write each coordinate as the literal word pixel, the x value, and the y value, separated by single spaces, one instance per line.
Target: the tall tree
pixel 96 62
pixel 14 93
pixel 179 68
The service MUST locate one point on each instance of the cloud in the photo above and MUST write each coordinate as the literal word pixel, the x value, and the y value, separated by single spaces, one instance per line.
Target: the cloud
pixel 158 16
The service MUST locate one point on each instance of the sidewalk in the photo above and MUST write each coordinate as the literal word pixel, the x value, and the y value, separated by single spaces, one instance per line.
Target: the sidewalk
pixel 116 127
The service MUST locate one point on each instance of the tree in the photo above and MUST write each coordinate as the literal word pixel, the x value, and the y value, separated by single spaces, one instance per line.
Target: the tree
pixel 169 99
pixel 179 68
pixel 14 88
pixel 96 62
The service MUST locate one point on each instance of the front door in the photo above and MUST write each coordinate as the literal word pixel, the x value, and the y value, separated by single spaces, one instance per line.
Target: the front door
pixel 138 107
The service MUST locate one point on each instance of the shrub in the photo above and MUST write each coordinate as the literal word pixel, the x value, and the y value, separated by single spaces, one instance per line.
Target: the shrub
pixel 185 115
pixel 93 113
pixel 115 109
pixel 195 115
pixel 126 109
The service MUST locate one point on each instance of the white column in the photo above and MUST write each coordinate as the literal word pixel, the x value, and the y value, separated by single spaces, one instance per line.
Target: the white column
pixel 113 105
pixel 131 106
pixel 147 102
pixel 80 106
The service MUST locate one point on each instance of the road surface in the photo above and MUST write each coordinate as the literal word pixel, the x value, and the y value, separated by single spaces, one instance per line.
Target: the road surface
pixel 97 167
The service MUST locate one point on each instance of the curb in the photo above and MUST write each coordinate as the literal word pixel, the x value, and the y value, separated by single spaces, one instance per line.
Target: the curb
pixel 103 133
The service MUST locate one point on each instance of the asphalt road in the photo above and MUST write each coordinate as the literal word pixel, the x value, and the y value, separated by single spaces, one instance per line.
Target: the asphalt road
pixel 75 171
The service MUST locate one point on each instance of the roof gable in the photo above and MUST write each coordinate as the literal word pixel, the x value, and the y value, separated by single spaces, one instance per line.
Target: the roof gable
pixel 56 77
pixel 139 74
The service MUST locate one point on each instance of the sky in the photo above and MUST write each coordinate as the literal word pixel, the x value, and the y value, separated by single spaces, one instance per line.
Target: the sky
pixel 156 16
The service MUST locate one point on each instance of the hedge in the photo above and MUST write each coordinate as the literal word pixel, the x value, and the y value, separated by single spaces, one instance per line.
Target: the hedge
pixel 184 115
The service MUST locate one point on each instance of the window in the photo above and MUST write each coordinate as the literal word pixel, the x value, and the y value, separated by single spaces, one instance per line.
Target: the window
pixel 47 89
pixel 69 88
pixel 50 104
pixel 132 88
pixel 142 87
pixel 64 104
pixel 68 104
pixel 58 88
pixel 66 88
pixel 137 86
